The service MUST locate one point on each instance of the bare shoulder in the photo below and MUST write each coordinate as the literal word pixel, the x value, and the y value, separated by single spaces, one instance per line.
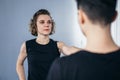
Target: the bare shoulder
pixel 23 48
pixel 22 54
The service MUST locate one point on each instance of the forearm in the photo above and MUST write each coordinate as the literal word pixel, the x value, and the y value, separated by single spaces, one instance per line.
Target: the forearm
pixel 20 72
pixel 68 50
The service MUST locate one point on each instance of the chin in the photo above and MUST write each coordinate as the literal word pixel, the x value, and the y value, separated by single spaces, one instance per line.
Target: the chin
pixel 47 34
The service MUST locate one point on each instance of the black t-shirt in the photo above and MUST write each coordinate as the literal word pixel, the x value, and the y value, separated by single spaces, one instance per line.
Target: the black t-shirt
pixel 40 58
pixel 86 65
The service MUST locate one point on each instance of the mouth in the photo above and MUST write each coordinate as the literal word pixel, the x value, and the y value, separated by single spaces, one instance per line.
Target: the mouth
pixel 46 29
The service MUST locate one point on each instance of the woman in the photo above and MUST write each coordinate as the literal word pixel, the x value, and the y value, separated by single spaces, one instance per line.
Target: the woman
pixel 41 51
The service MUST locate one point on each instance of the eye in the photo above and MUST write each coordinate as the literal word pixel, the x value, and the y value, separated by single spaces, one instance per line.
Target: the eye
pixel 49 22
pixel 41 22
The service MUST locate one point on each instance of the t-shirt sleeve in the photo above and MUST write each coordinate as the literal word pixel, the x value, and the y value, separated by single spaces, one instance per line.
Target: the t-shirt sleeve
pixel 54 72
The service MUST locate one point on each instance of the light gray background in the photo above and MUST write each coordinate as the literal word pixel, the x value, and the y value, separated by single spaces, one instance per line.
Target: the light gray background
pixel 15 16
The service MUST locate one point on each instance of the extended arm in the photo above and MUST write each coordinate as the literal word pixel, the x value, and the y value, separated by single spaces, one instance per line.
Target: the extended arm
pixel 67 50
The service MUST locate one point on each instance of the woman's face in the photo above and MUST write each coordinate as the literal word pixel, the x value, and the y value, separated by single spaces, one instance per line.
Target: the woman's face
pixel 44 25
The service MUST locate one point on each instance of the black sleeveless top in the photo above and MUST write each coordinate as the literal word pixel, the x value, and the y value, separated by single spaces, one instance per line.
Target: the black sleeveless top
pixel 40 58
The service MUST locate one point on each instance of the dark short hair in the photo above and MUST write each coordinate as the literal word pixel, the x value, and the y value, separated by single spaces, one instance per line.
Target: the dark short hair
pixel 100 11
pixel 33 26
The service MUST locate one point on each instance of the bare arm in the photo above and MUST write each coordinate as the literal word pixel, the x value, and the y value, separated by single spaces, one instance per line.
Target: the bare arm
pixel 67 50
pixel 20 62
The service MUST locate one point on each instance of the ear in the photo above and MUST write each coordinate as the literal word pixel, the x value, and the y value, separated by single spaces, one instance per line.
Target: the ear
pixel 80 17
pixel 115 16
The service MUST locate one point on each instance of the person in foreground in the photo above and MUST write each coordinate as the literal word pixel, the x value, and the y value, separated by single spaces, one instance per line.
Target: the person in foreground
pixel 41 51
pixel 100 59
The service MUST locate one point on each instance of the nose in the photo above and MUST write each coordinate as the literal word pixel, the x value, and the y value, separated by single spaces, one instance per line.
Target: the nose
pixel 46 24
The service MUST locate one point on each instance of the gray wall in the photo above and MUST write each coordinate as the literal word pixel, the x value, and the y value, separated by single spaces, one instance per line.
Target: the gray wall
pixel 14 19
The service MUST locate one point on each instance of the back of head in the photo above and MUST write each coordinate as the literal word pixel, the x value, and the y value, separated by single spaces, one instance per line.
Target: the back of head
pixel 101 11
